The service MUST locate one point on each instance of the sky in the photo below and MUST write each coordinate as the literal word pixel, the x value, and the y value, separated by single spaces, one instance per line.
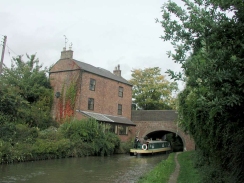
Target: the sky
pixel 103 33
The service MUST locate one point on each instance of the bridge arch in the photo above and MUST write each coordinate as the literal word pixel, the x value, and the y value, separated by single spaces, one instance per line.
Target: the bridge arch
pixel 150 121
pixel 164 132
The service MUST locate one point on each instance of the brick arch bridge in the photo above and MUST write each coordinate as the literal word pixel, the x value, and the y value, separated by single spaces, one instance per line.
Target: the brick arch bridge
pixel 153 121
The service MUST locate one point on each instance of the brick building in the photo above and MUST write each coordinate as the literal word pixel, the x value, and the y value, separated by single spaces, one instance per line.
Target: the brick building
pixel 82 90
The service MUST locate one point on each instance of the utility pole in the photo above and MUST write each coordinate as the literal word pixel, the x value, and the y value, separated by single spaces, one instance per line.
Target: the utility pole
pixel 3 50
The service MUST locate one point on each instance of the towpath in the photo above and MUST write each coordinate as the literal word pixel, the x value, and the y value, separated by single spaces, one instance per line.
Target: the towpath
pixel 175 174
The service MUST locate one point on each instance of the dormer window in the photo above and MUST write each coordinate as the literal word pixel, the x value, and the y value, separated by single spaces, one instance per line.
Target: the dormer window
pixel 92 84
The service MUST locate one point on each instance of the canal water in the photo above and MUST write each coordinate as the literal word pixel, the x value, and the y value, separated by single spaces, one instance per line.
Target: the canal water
pixel 116 168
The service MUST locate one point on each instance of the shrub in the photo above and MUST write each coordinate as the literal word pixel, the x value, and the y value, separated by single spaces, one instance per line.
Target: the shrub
pixel 50 133
pixel 7 131
pixel 73 139
pixel 25 134
pixel 47 149
pixel 124 147
pixel 5 152
pixel 89 131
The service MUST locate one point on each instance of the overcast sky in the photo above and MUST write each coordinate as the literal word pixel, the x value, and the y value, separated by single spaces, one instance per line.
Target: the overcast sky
pixel 104 33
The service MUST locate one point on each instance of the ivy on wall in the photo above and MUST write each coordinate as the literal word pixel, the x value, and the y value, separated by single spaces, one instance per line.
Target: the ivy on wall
pixel 66 103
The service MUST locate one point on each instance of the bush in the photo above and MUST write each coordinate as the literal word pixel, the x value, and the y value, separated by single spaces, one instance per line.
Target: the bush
pixel 124 147
pixel 21 152
pixel 73 139
pixel 5 151
pixel 25 134
pixel 7 132
pixel 89 131
pixel 5 118
pixel 50 133
pixel 80 149
pixel 44 149
pixel 209 171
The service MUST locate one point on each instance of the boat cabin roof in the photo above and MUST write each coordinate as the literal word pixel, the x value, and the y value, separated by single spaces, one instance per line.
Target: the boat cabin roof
pixel 155 141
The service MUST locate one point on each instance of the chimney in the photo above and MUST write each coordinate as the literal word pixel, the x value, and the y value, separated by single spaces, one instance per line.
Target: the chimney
pixel 117 71
pixel 67 54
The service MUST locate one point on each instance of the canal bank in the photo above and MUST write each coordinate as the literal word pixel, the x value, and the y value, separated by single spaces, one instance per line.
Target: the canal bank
pixel 179 167
pixel 174 176
pixel 161 172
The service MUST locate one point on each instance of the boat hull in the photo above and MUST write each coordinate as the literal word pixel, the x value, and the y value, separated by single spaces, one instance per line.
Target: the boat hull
pixel 149 151
pixel 151 147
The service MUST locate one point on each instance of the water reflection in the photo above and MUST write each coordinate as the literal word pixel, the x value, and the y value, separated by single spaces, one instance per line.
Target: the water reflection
pixel 117 168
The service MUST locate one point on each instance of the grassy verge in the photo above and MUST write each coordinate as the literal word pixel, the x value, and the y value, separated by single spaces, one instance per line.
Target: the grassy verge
pixel 161 173
pixel 188 174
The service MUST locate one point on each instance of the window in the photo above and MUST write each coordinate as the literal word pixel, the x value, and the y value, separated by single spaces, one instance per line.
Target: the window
pixel 91 103
pixel 111 128
pixel 92 84
pixel 119 109
pixel 123 130
pixel 121 89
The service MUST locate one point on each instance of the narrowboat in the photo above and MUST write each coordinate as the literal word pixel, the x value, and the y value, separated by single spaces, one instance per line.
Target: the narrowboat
pixel 151 147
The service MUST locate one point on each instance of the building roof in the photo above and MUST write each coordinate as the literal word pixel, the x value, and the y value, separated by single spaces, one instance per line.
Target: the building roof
pixel 108 118
pixel 101 72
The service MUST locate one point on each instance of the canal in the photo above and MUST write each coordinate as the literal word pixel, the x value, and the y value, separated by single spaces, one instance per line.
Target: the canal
pixel 116 168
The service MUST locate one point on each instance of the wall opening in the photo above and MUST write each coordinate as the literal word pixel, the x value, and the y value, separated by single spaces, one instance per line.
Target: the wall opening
pixel 174 139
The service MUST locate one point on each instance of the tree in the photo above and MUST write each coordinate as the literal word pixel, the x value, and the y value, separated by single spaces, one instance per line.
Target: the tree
pixel 26 95
pixel 208 43
pixel 151 90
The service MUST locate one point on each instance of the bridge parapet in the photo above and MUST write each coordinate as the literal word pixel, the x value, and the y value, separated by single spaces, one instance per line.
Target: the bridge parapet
pixel 154 115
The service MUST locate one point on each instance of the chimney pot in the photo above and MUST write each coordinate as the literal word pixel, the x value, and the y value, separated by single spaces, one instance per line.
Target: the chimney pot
pixel 117 71
pixel 66 54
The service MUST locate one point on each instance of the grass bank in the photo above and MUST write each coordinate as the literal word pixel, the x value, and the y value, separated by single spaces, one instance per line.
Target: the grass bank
pixel 161 173
pixel 188 173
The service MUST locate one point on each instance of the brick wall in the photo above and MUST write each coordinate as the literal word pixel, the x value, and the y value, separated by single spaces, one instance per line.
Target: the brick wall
pixel 105 96
pixel 60 81
pixel 150 121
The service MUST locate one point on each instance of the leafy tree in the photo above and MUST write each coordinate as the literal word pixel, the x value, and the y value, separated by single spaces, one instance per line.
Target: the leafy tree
pixel 25 93
pixel 151 90
pixel 208 42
